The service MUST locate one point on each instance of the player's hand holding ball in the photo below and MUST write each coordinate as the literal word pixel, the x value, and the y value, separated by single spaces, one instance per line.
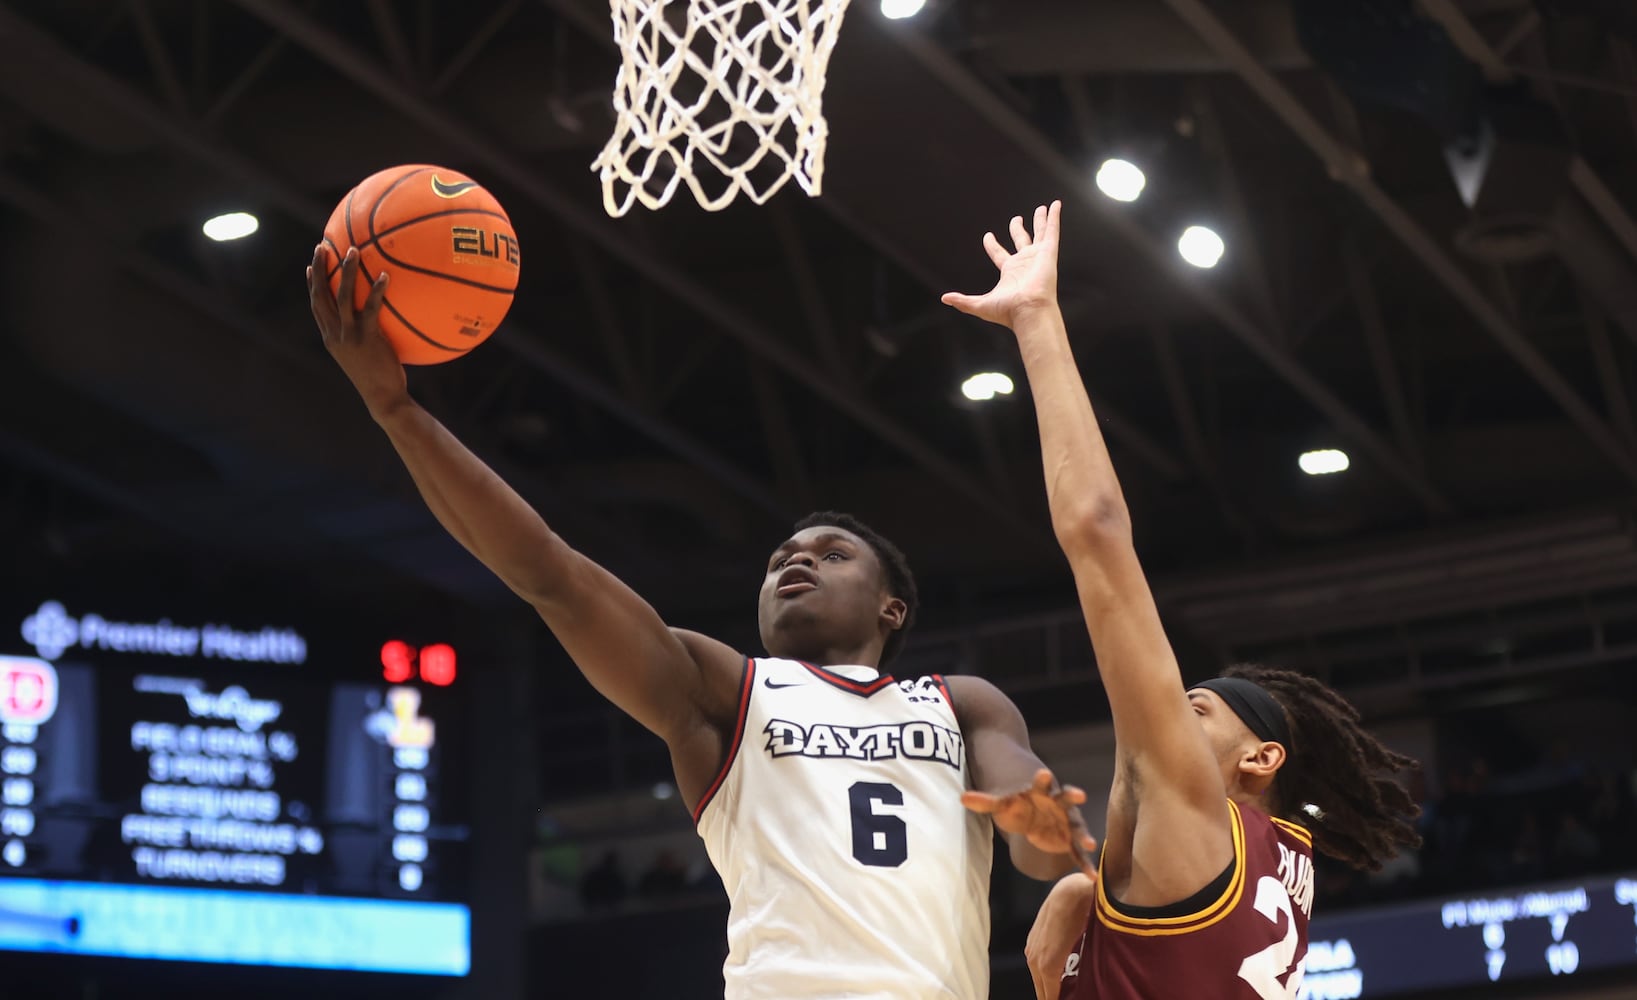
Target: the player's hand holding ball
pixel 353 337
pixel 418 265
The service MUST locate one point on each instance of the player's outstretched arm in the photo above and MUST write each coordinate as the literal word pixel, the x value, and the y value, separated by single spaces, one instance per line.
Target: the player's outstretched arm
pixel 1040 818
pixel 669 681
pixel 1162 751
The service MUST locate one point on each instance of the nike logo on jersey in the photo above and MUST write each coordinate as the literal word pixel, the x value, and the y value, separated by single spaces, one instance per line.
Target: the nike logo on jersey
pixel 443 189
pixel 768 683
pixel 912 740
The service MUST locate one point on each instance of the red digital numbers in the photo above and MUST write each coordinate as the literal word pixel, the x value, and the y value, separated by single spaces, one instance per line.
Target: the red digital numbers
pixel 397 661
pixel 436 662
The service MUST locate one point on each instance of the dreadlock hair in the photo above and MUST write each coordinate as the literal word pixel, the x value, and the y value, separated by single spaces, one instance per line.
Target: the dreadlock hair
pixel 1333 773
pixel 900 581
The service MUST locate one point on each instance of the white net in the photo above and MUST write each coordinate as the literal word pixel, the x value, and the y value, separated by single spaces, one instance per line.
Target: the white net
pixel 727 99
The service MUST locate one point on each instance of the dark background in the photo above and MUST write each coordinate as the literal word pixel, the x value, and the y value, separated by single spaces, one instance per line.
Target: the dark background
pixel 673 389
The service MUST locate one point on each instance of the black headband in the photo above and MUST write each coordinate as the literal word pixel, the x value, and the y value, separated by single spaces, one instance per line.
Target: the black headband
pixel 1252 703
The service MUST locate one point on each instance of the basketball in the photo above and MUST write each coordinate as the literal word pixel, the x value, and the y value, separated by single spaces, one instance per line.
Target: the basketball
pixel 449 247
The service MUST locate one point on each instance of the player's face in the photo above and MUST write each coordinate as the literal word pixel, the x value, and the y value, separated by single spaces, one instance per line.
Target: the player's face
pixel 1226 731
pixel 823 592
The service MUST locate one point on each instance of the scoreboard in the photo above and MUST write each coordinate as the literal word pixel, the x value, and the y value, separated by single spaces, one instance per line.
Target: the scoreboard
pixel 230 791
pixel 1552 931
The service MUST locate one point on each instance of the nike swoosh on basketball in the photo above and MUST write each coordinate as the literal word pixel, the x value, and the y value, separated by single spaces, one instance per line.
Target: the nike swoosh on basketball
pixel 443 190
pixel 769 683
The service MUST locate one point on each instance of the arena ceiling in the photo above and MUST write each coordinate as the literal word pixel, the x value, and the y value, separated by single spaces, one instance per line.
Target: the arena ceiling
pixel 673 388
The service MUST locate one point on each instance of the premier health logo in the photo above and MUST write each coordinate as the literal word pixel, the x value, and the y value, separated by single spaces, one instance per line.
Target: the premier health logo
pixel 51 630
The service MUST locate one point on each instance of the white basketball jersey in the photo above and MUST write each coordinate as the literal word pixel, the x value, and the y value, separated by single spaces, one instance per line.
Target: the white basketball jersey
pixel 837 827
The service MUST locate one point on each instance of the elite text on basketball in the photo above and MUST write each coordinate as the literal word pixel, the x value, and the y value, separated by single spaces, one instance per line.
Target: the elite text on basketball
pixel 474 244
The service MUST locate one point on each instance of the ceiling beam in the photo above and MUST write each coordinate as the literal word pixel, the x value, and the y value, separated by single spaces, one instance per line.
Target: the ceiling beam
pixel 815 307
pixel 583 216
pixel 199 86
pixel 1077 181
pixel 783 450
pixel 30 202
pixel 159 57
pixel 19 32
pixel 1609 375
pixel 473 47
pixel 1193 436
pixel 1380 347
pixel 1213 138
pixel 610 331
pixel 981 421
pixel 1349 167
pixel 393 39
pixel 1467 38
pixel 1119 427
pixel 1492 59
pixel 252 71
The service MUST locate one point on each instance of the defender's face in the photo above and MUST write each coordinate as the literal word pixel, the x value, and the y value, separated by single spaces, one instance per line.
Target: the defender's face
pixel 824 588
pixel 1227 733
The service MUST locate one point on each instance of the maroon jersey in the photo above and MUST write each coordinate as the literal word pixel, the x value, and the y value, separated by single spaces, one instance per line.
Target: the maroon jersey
pixel 1243 938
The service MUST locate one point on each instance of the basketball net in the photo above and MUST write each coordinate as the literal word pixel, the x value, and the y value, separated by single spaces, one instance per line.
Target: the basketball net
pixel 733 92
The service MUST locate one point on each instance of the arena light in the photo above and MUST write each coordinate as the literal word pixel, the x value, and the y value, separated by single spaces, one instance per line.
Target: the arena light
pixel 1121 180
pixel 1201 247
pixel 1324 462
pixel 985 386
pixel 897 10
pixel 232 226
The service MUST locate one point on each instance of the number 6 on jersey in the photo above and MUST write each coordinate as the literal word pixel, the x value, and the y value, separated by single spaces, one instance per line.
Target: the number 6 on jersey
pixel 880 840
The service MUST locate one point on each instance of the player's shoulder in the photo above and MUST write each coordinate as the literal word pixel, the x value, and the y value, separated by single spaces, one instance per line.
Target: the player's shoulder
pixel 967 684
pixel 1289 830
pixel 721 678
pixel 710 653
pixel 979 701
pixel 1254 817
pixel 1273 837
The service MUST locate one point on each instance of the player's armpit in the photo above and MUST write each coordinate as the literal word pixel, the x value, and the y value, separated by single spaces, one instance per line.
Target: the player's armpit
pixel 1154 725
pixel 1181 836
pixel 1041 820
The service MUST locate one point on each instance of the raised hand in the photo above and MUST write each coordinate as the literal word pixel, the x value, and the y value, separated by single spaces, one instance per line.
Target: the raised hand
pixel 1028 276
pixel 353 336
pixel 1045 813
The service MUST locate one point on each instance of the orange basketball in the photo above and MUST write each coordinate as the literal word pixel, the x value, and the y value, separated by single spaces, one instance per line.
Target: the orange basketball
pixel 450 250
